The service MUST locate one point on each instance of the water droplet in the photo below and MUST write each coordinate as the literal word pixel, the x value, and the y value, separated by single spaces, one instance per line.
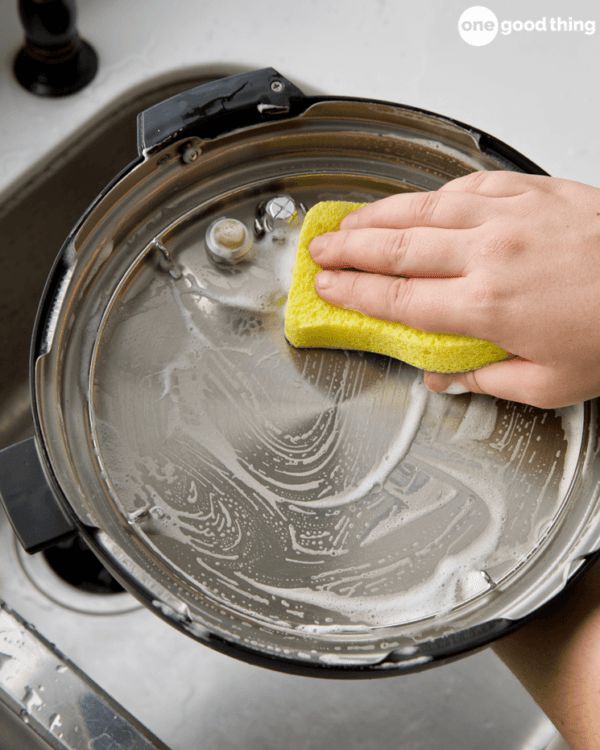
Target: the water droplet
pixel 32 700
pixel 54 722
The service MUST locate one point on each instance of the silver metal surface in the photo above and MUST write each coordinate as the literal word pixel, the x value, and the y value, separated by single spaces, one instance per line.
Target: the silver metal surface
pixel 315 505
pixel 60 705
pixel 188 695
pixel 193 697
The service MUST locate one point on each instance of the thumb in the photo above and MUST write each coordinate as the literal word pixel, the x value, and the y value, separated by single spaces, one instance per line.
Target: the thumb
pixel 513 380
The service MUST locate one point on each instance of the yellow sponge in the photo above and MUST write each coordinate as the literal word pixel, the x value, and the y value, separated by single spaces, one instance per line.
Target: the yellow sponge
pixel 312 322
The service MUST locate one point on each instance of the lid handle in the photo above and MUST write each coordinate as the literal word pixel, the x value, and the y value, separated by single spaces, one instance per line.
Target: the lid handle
pixel 33 509
pixel 217 107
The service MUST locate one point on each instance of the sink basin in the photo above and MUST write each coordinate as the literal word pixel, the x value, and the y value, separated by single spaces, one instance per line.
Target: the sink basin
pixel 186 694
pixel 16 733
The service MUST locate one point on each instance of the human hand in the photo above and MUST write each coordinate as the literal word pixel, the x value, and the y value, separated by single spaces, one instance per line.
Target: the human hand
pixel 503 256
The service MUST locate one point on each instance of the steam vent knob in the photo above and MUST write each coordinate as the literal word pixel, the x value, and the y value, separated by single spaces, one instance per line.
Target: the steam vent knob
pixel 228 240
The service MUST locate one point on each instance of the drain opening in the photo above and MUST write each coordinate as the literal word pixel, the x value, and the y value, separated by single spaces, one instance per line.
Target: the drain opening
pixel 74 562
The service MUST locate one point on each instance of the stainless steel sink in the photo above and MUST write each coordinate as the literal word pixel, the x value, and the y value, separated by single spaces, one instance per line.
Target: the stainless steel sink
pixel 188 695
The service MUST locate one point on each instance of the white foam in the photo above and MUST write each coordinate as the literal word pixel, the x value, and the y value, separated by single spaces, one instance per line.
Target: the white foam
pixel 479 420
pixel 436 595
pixel 455 389
pixel 423 659
pixel 571 418
pixel 410 421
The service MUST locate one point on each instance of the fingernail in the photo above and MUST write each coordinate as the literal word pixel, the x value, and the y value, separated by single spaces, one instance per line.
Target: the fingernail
pixel 316 245
pixel 324 279
pixel 348 221
pixel 455 389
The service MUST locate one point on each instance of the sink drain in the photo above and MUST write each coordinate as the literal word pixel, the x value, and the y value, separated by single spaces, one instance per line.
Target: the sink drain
pixel 70 575
pixel 75 563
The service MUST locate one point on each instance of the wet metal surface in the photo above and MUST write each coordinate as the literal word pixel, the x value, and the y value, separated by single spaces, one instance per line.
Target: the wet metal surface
pixel 317 505
pixel 191 696
pixel 321 492
pixel 54 702
pixel 187 694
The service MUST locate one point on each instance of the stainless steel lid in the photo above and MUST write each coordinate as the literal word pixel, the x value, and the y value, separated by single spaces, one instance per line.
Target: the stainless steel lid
pixel 317 506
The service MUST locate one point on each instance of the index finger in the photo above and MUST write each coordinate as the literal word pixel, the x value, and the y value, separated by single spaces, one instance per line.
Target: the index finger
pixel 497 183
pixel 432 208
pixel 427 304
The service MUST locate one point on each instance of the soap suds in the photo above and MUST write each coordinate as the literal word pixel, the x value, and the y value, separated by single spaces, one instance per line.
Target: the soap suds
pixel 571 418
pixel 455 389
pixel 287 459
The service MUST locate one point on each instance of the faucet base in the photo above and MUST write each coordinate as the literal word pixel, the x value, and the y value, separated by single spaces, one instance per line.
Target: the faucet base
pixel 45 76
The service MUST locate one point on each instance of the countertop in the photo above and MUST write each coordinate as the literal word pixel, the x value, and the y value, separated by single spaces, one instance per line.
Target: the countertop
pixel 536 91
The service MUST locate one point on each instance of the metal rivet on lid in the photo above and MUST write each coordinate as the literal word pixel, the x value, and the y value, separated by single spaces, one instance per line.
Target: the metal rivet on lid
pixel 190 153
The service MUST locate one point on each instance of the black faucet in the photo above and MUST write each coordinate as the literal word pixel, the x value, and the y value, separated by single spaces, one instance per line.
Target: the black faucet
pixel 55 60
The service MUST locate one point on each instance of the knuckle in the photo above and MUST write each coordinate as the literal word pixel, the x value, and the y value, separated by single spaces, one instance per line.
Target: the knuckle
pixel 355 289
pixel 399 294
pixel 501 245
pixel 426 206
pixel 396 249
pixel 476 180
pixel 472 382
pixel 484 294
pixel 528 203
pixel 486 304
pixel 469 182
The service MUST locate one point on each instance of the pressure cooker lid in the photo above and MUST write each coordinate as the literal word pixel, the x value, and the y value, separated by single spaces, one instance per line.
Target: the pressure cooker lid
pixel 316 505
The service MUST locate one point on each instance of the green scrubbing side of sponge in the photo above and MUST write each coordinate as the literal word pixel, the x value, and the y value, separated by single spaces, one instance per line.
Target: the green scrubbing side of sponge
pixel 312 322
